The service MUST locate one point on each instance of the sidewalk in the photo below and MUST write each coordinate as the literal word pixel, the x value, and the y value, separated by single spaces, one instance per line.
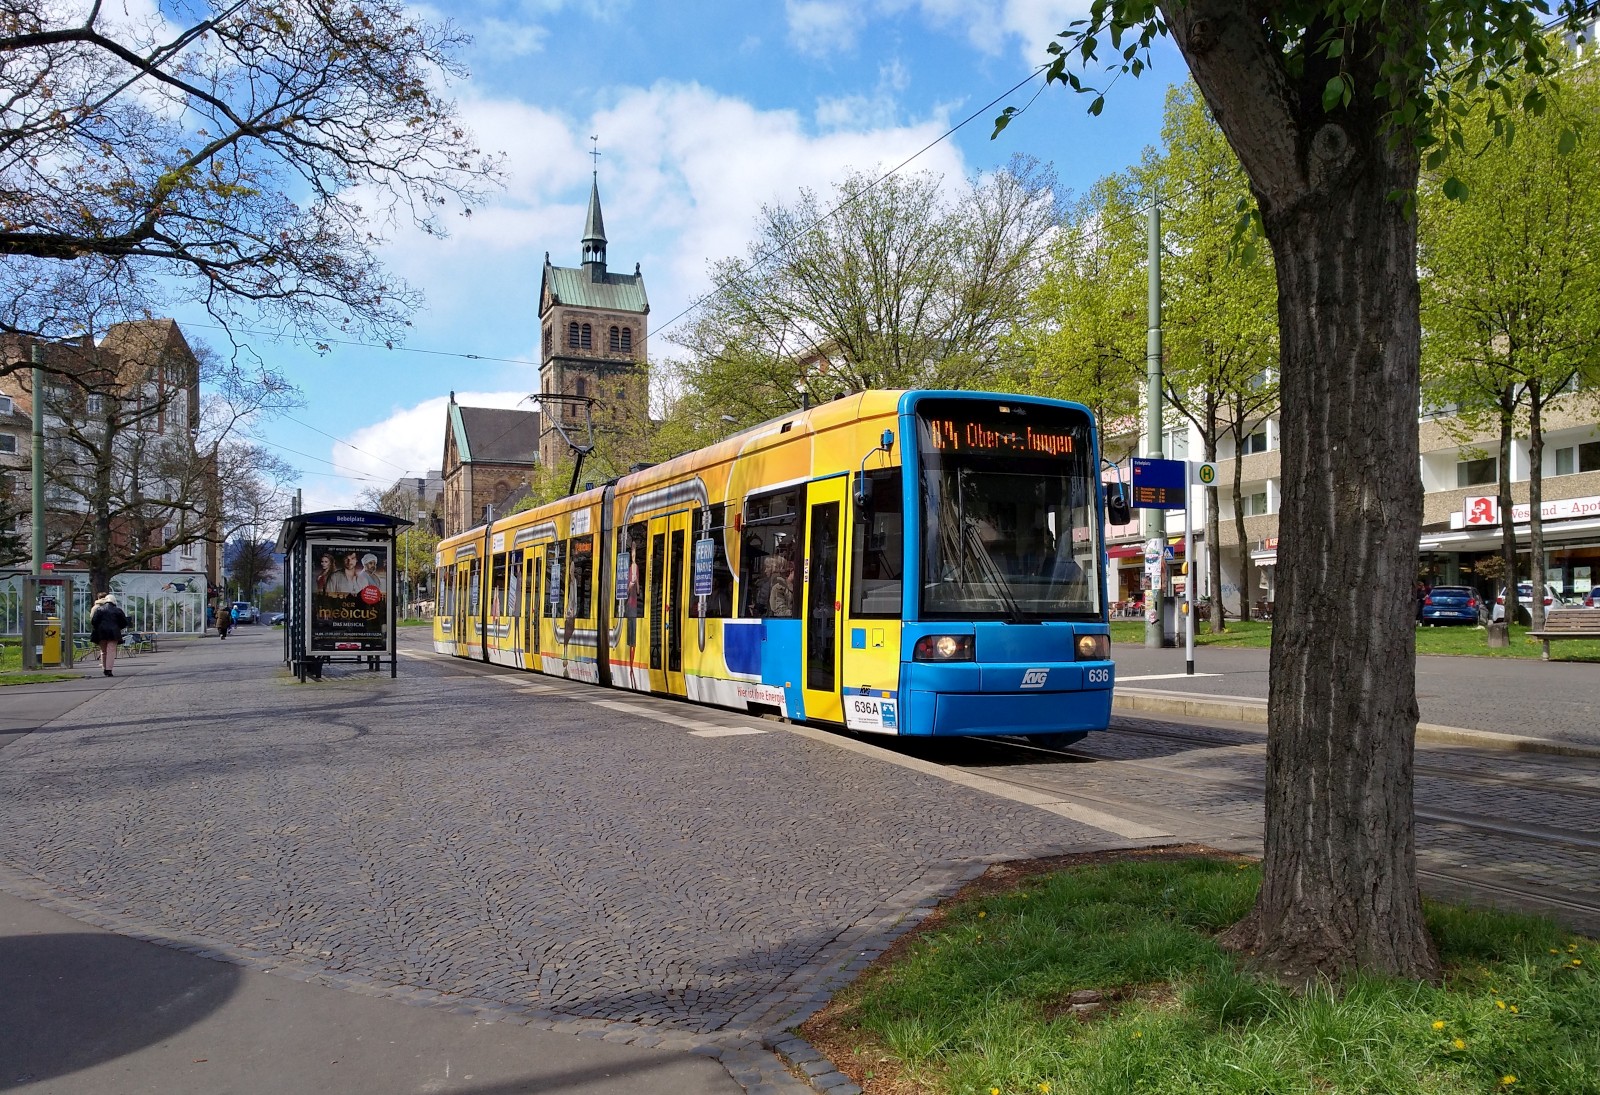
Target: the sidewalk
pixel 87 1011
pixel 1513 704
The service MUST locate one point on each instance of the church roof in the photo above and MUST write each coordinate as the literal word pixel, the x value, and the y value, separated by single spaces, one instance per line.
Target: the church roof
pixel 493 435
pixel 612 292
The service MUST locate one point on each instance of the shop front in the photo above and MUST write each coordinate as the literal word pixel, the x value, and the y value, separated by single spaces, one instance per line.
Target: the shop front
pixel 1469 552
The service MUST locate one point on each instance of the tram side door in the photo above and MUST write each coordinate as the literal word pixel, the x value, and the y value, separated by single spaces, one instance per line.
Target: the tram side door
pixel 461 622
pixel 824 585
pixel 666 574
pixel 533 590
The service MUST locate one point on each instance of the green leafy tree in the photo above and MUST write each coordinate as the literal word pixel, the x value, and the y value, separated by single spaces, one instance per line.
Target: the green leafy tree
pixel 889 283
pixel 1083 334
pixel 1218 309
pixel 242 154
pixel 1331 109
pixel 1511 293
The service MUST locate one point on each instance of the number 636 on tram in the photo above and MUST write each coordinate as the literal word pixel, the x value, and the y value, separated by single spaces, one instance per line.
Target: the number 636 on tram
pixel 917 563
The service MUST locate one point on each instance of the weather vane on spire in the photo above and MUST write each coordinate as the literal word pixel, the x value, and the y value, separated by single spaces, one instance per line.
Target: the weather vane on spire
pixel 595 152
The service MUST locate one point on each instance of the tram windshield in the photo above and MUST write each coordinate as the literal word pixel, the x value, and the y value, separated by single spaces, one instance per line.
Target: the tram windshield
pixel 1009 525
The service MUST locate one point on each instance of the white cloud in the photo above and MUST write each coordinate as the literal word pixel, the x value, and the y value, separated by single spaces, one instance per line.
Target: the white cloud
pixel 823 27
pixel 411 438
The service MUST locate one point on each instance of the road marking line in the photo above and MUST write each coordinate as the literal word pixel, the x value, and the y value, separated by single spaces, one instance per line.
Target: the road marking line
pixel 1166 676
pixel 725 731
pixel 670 720
pixel 1053 803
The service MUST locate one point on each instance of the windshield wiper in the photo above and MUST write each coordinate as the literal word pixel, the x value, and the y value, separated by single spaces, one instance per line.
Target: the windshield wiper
pixel 990 570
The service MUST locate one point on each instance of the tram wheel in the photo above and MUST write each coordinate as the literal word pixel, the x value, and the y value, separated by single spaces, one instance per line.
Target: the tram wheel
pixel 1057 741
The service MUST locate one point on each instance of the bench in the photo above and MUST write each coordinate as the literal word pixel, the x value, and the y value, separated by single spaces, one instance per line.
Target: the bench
pixel 134 641
pixel 1567 623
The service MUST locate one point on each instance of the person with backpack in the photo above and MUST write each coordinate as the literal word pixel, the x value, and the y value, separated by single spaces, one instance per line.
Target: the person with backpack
pixel 107 622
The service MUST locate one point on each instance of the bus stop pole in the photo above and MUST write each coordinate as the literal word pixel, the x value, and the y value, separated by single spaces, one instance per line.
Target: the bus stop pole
pixel 1188 573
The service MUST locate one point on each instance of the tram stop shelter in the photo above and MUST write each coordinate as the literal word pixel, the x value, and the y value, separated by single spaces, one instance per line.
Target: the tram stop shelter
pixel 339 590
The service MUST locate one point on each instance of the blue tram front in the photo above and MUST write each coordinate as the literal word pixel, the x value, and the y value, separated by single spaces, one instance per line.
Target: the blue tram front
pixel 1004 599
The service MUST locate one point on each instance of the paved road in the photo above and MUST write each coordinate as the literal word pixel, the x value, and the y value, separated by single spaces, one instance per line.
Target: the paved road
pixel 1558 700
pixel 655 873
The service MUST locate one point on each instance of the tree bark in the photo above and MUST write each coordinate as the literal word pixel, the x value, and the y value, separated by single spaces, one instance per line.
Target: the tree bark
pixel 1339 882
pixel 1219 621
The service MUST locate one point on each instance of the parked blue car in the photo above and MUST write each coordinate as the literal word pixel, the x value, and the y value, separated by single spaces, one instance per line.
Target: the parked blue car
pixel 1451 605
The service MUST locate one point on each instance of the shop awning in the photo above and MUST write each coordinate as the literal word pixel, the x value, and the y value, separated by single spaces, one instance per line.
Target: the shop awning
pixel 1125 551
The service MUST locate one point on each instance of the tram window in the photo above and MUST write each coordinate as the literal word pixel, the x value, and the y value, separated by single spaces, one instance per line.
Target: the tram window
pixel 513 601
pixel 447 592
pixel 719 603
pixel 554 560
pixel 580 588
pixel 472 587
pixel 877 549
pixel 770 562
pixel 630 571
pixel 497 587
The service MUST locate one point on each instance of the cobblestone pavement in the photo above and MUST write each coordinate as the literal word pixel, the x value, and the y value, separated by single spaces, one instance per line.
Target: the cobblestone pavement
pixel 1505 695
pixel 559 854
pixel 1487 822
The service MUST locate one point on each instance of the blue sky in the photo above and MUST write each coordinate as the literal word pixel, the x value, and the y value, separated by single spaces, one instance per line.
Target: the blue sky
pixel 704 112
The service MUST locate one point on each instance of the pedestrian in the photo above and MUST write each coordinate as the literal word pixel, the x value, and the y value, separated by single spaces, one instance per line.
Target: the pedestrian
pixel 107 622
pixel 224 620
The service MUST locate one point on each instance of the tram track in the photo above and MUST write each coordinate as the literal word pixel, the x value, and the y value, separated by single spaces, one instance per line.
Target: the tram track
pixel 1527 831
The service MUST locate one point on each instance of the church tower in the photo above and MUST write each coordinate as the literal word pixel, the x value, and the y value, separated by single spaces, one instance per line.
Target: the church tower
pixel 593 343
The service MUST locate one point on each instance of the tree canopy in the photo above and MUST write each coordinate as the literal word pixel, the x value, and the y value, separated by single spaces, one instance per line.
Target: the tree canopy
pixel 246 155
pixel 893 282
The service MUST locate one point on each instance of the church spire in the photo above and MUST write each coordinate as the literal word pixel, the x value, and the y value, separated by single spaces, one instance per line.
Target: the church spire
pixel 594 228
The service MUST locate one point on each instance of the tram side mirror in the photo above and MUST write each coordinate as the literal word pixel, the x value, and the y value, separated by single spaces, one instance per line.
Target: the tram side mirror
pixel 1117 510
pixel 863 493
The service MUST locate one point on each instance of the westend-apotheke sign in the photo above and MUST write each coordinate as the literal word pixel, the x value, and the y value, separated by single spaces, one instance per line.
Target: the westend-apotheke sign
pixel 1485 510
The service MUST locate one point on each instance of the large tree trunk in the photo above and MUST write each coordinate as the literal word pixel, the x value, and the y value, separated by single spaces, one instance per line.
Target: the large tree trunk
pixel 1339 881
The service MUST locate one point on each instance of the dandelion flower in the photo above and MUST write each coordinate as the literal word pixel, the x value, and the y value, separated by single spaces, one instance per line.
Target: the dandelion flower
pixel 1577 961
pixel 1459 1044
pixel 1501 1004
pixel 1572 946
pixel 1138 1034
pixel 994 1091
pixel 1507 1080
pixel 1554 951
pixel 1513 1009
pixel 1438 1024
pixel 1044 1089
pixel 981 915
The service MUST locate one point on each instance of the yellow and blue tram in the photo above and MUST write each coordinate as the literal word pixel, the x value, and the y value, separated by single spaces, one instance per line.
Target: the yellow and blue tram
pixel 917 563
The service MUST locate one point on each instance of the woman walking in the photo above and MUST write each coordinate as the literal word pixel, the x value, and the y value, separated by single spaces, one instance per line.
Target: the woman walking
pixel 224 619
pixel 107 622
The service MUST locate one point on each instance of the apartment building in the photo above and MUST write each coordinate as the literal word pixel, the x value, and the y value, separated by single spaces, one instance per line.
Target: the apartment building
pixel 1461 522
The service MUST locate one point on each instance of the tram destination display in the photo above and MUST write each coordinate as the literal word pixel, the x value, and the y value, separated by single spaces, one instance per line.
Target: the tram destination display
pixel 1002 431
pixel 348 590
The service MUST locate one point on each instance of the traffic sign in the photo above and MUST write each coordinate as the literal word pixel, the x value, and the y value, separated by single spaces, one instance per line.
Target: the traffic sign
pixel 1159 484
pixel 1206 474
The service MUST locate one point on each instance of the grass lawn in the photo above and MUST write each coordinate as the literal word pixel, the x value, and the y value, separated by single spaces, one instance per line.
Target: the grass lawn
pixel 1430 640
pixel 9 679
pixel 979 1000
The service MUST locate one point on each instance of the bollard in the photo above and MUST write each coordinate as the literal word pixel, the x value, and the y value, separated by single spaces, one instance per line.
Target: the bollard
pixel 1499 636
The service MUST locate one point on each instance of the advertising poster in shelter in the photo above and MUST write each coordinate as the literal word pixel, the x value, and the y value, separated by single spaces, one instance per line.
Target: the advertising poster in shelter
pixel 349 596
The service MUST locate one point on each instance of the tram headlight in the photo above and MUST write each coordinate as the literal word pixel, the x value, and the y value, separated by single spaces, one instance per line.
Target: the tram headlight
pixel 943 648
pixel 1094 648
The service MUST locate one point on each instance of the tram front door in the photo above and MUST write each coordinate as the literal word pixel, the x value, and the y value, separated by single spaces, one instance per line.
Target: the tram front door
pixel 669 545
pixel 823 583
pixel 532 606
